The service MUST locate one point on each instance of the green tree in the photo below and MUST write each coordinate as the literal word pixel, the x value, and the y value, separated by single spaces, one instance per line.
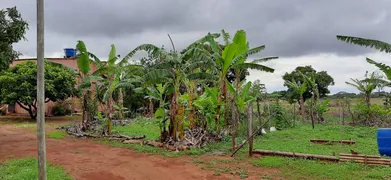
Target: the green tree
pixel 371 43
pixel 86 83
pixel 366 86
pixel 258 91
pixel 12 30
pixel 322 80
pixel 19 85
pixel 300 89
pixel 233 57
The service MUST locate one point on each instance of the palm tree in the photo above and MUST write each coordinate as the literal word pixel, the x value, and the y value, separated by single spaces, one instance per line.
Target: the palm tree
pixel 300 89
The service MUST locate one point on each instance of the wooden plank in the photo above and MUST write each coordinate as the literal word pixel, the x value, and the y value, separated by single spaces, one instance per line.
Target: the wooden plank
pixel 349 157
pixel 298 155
pixel 321 141
pixel 367 162
pixel 358 155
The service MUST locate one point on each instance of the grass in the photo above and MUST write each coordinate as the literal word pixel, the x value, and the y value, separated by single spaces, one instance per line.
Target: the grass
pixel 26 169
pixel 150 128
pixel 56 134
pixel 305 169
pixel 298 140
pixel 151 150
pixel 291 140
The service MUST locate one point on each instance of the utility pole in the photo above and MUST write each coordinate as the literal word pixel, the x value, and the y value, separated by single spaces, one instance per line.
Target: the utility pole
pixel 41 92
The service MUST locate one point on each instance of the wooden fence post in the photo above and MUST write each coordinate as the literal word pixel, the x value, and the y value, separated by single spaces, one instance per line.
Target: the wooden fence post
pixel 250 128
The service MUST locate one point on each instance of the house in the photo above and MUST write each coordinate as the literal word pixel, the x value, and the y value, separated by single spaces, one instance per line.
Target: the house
pixel 69 61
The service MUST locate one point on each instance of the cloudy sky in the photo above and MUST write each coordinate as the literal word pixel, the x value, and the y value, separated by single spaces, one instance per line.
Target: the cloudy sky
pixel 300 32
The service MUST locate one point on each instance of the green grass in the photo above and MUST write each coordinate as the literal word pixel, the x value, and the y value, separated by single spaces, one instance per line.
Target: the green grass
pixel 290 140
pixel 305 169
pixel 298 140
pixel 150 128
pixel 56 134
pixel 150 149
pixel 27 169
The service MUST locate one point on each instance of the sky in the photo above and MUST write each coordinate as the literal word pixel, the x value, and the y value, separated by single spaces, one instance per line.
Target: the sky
pixel 300 32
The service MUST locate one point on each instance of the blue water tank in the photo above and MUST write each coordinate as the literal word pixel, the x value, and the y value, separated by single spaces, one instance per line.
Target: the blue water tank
pixel 384 141
pixel 70 52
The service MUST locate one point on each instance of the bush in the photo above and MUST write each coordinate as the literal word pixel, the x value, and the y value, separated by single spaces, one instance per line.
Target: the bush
pixel 62 108
pixel 280 118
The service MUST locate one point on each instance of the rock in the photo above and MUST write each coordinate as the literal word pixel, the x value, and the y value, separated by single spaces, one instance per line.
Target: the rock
pixel 273 129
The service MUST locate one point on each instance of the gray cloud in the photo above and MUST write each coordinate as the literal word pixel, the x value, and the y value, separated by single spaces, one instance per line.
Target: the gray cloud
pixel 288 28
pixel 291 29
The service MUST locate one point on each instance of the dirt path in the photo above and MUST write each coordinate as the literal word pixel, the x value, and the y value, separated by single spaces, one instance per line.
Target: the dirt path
pixel 85 159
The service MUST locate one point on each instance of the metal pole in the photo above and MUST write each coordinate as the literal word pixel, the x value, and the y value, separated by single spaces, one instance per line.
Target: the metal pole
pixel 41 92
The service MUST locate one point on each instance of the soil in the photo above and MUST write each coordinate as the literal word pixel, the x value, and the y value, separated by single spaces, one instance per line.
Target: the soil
pixel 85 159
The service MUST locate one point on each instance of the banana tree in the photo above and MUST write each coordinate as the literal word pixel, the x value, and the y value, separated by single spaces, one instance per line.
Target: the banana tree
pixel 233 56
pixel 300 89
pixel 309 80
pixel 241 102
pixel 365 86
pixel 206 105
pixel 86 80
pixel 374 44
pixel 116 74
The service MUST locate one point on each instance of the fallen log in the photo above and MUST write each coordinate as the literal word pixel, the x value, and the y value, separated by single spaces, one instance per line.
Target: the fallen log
pixel 126 137
pixel 322 141
pixel 79 135
pixel 155 144
pixel 296 155
pixel 133 141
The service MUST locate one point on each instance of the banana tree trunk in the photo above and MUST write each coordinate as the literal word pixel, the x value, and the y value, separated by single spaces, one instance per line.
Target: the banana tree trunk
pixel 110 115
pixel 150 114
pixel 219 102
pixel 226 118
pixel 121 104
pixel 85 114
pixel 190 106
pixel 235 114
pixel 173 108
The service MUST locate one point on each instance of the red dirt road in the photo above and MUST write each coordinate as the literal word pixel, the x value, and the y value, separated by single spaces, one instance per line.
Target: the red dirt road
pixel 85 159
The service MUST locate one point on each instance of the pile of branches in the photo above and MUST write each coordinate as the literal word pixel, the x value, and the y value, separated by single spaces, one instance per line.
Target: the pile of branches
pixel 199 137
pixel 76 130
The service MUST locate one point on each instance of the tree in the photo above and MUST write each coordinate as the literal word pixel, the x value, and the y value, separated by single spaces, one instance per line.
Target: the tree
pixel 322 80
pixel 366 86
pixel 258 91
pixel 234 56
pixel 300 89
pixel 12 30
pixel 86 82
pixel 176 69
pixel 19 85
pixel 114 75
pixel 371 43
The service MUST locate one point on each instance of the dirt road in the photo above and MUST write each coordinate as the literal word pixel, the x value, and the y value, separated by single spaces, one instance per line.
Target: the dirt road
pixel 85 159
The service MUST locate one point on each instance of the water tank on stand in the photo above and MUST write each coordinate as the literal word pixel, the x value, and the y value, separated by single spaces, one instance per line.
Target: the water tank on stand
pixel 384 141
pixel 70 52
